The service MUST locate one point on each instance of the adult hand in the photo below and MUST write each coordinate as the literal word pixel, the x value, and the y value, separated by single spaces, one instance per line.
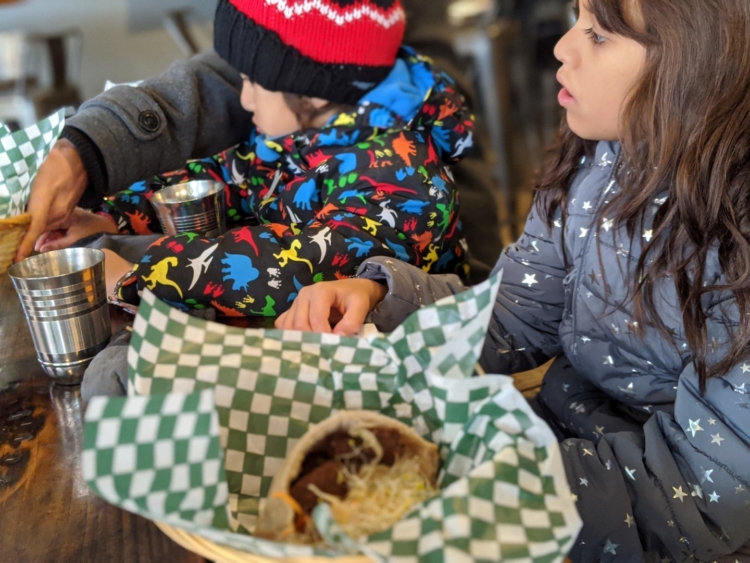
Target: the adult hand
pixel 342 304
pixel 59 184
pixel 80 224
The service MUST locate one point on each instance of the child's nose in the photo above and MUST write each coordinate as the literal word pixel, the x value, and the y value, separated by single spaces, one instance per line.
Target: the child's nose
pixel 247 97
pixel 564 50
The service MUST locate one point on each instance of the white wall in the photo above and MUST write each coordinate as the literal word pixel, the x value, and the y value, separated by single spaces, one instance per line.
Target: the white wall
pixel 110 50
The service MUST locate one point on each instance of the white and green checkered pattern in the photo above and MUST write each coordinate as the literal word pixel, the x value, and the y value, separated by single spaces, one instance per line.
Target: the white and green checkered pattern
pixel 21 155
pixel 503 487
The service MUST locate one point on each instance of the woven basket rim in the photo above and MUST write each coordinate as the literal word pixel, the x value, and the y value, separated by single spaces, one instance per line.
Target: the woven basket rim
pixel 221 554
pixel 17 221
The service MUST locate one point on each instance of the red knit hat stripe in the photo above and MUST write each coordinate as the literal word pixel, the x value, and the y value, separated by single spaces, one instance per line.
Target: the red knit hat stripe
pixel 359 34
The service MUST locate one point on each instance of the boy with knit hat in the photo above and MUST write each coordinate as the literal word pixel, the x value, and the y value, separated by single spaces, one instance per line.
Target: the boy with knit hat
pixel 346 160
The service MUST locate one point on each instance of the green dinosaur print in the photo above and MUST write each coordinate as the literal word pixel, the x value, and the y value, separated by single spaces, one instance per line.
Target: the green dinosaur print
pixel 193 304
pixel 268 310
pixel 330 184
pixel 319 277
pixel 349 179
pixel 190 236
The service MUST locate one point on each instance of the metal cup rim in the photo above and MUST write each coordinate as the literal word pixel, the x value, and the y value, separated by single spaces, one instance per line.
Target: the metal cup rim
pixel 160 197
pixel 14 270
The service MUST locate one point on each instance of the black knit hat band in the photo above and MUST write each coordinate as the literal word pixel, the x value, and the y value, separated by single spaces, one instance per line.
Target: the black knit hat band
pixel 260 54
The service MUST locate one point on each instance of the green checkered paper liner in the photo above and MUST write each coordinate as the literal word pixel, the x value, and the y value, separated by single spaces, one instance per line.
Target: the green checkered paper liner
pixel 21 155
pixel 503 492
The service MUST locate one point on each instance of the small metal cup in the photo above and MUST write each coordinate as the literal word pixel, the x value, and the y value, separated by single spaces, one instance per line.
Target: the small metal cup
pixel 64 297
pixel 192 207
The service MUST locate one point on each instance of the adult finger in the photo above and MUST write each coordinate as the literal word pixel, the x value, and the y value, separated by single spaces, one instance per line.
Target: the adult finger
pixel 38 210
pixel 59 242
pixel 301 313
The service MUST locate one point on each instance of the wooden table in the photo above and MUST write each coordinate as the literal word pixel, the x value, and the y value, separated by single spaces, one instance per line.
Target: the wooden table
pixel 47 512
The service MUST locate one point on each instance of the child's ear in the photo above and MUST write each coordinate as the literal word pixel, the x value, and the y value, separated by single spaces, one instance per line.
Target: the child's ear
pixel 318 103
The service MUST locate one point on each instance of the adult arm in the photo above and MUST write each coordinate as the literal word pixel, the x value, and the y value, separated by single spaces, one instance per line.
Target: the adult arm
pixel 130 133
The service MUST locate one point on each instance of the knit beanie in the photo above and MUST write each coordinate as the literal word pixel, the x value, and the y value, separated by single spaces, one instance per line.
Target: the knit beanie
pixel 337 50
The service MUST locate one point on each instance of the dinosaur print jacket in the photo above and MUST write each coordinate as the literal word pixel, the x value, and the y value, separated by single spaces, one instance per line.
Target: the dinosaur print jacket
pixel 313 205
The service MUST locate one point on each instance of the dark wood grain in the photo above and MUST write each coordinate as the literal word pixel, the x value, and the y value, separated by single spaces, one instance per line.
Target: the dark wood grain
pixel 47 512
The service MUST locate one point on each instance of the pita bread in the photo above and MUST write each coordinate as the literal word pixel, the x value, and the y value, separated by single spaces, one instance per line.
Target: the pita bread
pixel 278 516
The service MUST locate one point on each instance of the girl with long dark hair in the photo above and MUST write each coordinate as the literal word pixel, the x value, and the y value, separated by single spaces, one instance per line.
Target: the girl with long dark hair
pixel 634 272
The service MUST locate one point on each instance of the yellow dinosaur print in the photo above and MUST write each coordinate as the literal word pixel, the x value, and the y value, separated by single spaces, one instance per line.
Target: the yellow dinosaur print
pixel 159 272
pixel 285 255
pixel 273 145
pixel 371 226
pixel 345 119
pixel 431 258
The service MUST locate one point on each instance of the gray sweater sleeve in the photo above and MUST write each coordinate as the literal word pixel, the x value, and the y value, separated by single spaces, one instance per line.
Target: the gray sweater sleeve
pixel 523 332
pixel 191 111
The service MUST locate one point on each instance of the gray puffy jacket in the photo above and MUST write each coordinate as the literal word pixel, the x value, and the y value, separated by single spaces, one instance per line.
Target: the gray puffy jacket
pixel 661 471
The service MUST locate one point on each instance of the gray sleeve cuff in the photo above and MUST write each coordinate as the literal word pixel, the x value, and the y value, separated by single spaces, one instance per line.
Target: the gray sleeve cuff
pixel 409 288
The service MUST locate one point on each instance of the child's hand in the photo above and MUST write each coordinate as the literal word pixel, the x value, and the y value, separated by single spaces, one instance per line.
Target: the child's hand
pixel 343 304
pixel 115 268
pixel 80 224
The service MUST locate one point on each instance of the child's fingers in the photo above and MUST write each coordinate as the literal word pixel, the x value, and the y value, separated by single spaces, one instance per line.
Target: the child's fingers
pixel 57 242
pixel 319 313
pixel 355 313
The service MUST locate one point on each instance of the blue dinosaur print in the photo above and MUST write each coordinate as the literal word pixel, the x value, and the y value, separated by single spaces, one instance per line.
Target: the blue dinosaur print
pixel 362 247
pixel 348 162
pixel 139 187
pixel 265 152
pixel 306 193
pixel 239 270
pixel 381 117
pixel 413 206
pixel 331 138
pixel 402 174
pixel 399 249
pixel 298 286
pixel 131 198
pixel 444 261
pixel 146 259
pixel 442 140
pixel 440 184
pixel 266 235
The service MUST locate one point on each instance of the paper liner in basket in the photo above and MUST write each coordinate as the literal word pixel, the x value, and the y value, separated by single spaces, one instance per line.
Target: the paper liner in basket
pixel 21 155
pixel 225 406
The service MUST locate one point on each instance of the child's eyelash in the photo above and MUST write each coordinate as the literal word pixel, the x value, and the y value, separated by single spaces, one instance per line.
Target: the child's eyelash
pixel 595 37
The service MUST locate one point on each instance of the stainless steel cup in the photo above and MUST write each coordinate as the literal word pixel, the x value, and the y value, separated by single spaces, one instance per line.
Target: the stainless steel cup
pixel 192 207
pixel 64 297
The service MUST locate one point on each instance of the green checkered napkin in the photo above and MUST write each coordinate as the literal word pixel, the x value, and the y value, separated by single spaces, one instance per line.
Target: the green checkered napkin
pixel 503 494
pixel 21 155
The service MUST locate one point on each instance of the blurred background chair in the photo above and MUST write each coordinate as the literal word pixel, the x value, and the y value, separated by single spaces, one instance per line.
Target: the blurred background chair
pixel 38 74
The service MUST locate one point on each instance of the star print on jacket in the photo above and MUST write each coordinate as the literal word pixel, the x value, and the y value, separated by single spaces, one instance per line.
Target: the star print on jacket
pixel 315 204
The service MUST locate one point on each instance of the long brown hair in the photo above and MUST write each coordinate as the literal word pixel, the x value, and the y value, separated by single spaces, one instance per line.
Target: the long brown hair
pixel 685 128
pixel 307 113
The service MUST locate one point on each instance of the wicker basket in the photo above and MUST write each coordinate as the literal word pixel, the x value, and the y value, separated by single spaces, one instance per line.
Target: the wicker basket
pixel 221 554
pixel 11 232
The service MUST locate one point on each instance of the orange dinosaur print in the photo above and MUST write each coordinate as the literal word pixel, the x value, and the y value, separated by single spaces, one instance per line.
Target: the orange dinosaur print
pixel 340 276
pixel 226 311
pixel 404 148
pixel 423 240
pixel 447 109
pixel 140 223
pixel 279 229
pixel 326 211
